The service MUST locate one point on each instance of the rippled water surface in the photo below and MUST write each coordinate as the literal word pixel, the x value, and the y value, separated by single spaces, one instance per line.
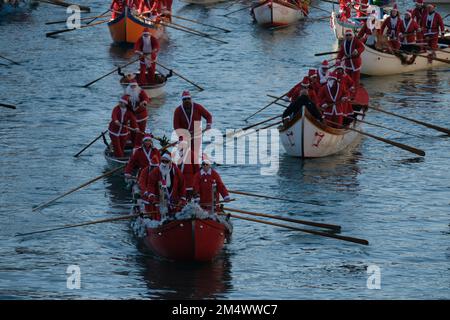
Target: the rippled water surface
pixel 398 201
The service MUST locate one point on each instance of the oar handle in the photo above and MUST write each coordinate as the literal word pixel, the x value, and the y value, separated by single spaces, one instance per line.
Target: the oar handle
pixel 111 72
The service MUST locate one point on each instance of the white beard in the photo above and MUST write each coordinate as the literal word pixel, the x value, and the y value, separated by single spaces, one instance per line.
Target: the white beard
pixel 165 172
pixel 147 44
pixel 134 95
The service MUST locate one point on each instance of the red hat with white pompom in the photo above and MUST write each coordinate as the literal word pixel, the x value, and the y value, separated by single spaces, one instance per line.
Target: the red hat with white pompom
pixel 124 99
pixel 186 95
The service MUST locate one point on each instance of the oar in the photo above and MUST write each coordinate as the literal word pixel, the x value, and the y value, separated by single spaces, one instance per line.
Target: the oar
pixel 104 76
pixel 266 106
pixel 317 233
pixel 50 34
pixel 428 125
pixel 64 4
pixel 308 223
pixel 14 62
pixel 387 128
pixel 201 23
pixel 100 16
pixel 391 142
pixel 247 7
pixel 423 56
pixel 267 197
pixel 78 188
pixel 68 226
pixel 10 106
pixel 188 30
pixel 82 19
pixel 233 134
pixel 91 143
pixel 179 75
pixel 318 8
pixel 325 53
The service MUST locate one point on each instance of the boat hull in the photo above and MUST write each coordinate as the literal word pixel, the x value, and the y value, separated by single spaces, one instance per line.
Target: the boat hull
pixel 187 240
pixel 274 13
pixel 126 28
pixel 153 90
pixel 376 63
pixel 353 23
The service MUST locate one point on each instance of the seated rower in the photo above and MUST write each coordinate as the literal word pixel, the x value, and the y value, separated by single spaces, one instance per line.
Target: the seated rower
pixel 333 97
pixel 146 156
pixel 368 32
pixel 305 97
pixel 163 189
pixel 207 187
pixel 349 86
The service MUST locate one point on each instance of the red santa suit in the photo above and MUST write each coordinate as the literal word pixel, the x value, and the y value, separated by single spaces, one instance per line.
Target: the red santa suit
pixel 133 4
pixel 117 7
pixel 203 186
pixel 361 8
pixel 171 180
pixel 138 100
pixel 392 24
pixel 322 72
pixel 183 122
pixel 313 82
pixel 147 46
pixel 349 87
pixel 332 100
pixel 431 24
pixel 119 132
pixel 407 30
pixel 367 30
pixel 141 158
pixel 345 9
pixel 352 62
pixel 294 93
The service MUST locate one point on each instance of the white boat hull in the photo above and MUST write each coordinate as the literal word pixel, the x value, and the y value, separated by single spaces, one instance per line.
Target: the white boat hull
pixel 353 23
pixel 276 14
pixel 307 138
pixel 376 63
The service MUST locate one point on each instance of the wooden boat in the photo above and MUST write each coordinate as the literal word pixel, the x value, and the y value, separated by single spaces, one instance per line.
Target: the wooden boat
pixel 192 235
pixel 377 63
pixel 127 28
pixel 304 136
pixel 276 13
pixel 152 90
pixel 114 161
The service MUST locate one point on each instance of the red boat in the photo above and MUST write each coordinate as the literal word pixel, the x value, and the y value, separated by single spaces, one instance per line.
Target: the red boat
pixel 191 239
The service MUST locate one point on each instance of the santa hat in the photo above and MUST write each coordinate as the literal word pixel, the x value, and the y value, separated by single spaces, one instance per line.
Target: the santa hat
pixel 395 7
pixel 186 95
pixel 431 5
pixel 332 75
pixel 147 136
pixel 325 64
pixel 312 73
pixel 124 99
pixel 348 31
pixel 419 2
pixel 338 64
pixel 146 31
pixel 305 82
pixel 409 13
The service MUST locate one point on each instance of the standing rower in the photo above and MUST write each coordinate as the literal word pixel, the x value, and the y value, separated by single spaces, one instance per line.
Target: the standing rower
pixel 322 72
pixel 333 97
pixel 392 24
pixel 138 102
pixel 145 156
pixel 432 23
pixel 350 53
pixel 147 47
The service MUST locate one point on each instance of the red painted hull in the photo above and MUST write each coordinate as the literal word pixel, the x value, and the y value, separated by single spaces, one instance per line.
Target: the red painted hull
pixel 188 240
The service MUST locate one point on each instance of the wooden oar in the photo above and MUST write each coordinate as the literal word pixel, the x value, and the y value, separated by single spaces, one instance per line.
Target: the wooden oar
pixel 100 16
pixel 201 23
pixel 68 226
pixel 325 53
pixel 233 134
pixel 268 197
pixel 50 34
pixel 91 143
pixel 387 128
pixel 247 7
pixel 317 233
pixel 10 106
pixel 428 125
pixel 104 76
pixel 391 142
pixel 318 8
pixel 266 106
pixel 12 61
pixel 79 187
pixel 82 19
pixel 189 30
pixel 179 75
pixel 308 223
pixel 64 4
pixel 423 56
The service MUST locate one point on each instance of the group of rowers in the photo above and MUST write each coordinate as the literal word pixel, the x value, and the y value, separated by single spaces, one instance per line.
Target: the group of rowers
pixel 166 186
pixel 327 94
pixel 419 29
pixel 145 8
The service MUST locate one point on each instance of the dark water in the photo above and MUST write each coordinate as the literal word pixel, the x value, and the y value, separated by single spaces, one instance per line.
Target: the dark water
pixel 398 201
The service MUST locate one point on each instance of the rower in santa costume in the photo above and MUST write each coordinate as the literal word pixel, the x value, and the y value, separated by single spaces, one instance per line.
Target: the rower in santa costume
pixel 348 86
pixel 163 191
pixel 350 52
pixel 361 7
pixel 117 7
pixel 407 31
pixel 305 96
pixel 417 14
pixel 144 157
pixel 208 187
pixel 323 72
pixel 147 47
pixel 138 101
pixel 187 122
pixel 368 32
pixel 313 82
pixel 345 9
pixel 333 97
pixel 303 87
pixel 121 120
pixel 186 167
pixel 392 24
pixel 432 24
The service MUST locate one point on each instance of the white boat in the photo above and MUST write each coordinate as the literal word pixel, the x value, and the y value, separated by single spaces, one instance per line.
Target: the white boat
pixel 376 63
pixel 276 13
pixel 152 90
pixel 306 137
